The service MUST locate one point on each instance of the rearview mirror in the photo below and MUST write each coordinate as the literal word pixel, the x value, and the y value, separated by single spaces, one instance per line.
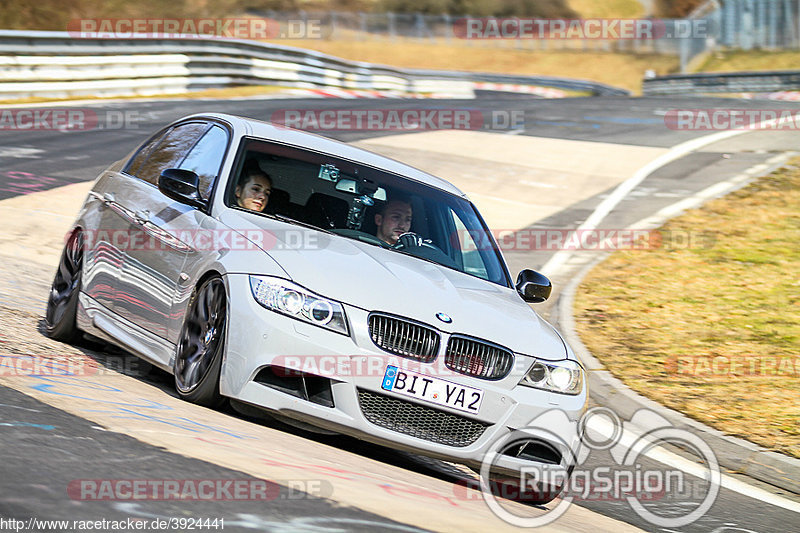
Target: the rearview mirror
pixel 181 185
pixel 353 187
pixel 533 287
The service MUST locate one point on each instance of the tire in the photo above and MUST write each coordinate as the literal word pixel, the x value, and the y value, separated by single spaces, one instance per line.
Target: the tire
pixel 62 302
pixel 201 344
pixel 510 489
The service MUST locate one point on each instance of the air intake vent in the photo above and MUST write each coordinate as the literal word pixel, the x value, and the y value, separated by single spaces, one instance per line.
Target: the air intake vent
pixel 316 389
pixel 419 421
pixel 405 338
pixel 478 358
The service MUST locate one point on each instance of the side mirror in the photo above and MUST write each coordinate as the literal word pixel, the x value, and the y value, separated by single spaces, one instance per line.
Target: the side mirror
pixel 533 287
pixel 181 185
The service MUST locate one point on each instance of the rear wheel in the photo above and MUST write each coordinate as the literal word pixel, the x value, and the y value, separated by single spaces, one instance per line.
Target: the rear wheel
pixel 198 357
pixel 62 302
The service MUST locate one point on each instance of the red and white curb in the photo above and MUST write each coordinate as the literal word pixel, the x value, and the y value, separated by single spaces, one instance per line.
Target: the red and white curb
pixel 332 92
pixel 543 92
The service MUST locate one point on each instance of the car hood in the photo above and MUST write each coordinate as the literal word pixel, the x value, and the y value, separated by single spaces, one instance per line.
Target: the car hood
pixel 375 279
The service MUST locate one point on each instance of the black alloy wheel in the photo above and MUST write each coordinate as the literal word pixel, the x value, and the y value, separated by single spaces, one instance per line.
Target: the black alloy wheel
pixel 198 357
pixel 62 302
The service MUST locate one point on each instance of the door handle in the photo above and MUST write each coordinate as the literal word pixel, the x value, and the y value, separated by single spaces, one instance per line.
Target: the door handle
pixel 108 198
pixel 142 217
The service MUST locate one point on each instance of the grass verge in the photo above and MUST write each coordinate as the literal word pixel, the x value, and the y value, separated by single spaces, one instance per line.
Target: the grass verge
pixel 619 70
pixel 711 329
pixel 754 60
pixel 607 8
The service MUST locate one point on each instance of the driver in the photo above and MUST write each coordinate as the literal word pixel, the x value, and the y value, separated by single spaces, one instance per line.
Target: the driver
pixel 393 220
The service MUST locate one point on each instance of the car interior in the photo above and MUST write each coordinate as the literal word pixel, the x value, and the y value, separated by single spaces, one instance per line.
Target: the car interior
pixel 343 197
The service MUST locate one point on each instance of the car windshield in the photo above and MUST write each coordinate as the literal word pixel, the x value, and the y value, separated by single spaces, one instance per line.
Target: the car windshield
pixel 360 202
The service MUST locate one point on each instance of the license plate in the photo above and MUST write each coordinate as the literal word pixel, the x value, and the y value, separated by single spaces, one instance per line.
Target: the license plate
pixel 430 389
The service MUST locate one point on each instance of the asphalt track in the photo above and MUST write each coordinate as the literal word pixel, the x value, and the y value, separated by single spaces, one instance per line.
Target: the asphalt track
pixel 128 425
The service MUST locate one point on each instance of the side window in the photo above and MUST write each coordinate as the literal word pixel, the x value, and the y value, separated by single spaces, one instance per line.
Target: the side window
pixel 470 249
pixel 206 157
pixel 141 156
pixel 174 146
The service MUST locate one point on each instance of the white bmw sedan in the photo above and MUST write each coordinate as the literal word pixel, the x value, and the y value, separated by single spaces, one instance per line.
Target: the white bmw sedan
pixel 320 283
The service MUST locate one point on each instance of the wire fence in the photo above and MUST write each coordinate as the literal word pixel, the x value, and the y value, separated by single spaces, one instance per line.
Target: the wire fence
pixel 716 24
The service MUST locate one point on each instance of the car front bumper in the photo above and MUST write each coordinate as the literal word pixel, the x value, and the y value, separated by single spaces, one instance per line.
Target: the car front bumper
pixel 258 338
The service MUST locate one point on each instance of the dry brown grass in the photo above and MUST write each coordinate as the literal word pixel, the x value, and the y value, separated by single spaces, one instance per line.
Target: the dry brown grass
pixel 753 60
pixel 619 70
pixel 736 297
pixel 607 8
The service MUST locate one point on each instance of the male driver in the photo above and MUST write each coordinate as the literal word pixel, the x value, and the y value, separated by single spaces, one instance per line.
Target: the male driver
pixel 393 220
pixel 254 188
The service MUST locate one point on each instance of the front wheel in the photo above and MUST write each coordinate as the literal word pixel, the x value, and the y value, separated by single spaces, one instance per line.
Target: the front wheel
pixel 198 357
pixel 62 302
pixel 512 489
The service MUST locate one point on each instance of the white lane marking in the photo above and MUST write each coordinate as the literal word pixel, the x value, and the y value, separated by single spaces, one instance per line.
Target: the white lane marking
pixel 712 191
pixel 607 428
pixel 540 184
pixel 20 152
pixel 505 200
pixel 623 189
pixel 755 169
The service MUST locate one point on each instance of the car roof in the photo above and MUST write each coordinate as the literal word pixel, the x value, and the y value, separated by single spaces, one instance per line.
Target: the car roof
pixel 302 139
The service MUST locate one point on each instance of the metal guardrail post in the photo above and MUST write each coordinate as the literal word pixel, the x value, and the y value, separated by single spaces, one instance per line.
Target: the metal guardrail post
pixel 362 21
pixel 773 24
pixel 684 54
pixel 797 15
pixel 392 29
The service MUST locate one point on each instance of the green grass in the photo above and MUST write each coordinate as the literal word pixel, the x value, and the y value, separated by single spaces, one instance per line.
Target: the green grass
pixel 659 319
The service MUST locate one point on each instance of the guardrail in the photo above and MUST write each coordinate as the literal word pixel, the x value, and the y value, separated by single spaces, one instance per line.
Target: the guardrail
pixel 55 64
pixel 723 82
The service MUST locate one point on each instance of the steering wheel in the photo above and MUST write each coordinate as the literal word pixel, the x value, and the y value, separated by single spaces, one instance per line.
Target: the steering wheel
pixel 409 240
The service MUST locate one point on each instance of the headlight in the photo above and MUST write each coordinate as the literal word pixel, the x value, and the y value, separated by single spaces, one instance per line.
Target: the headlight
pixel 293 300
pixel 565 377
